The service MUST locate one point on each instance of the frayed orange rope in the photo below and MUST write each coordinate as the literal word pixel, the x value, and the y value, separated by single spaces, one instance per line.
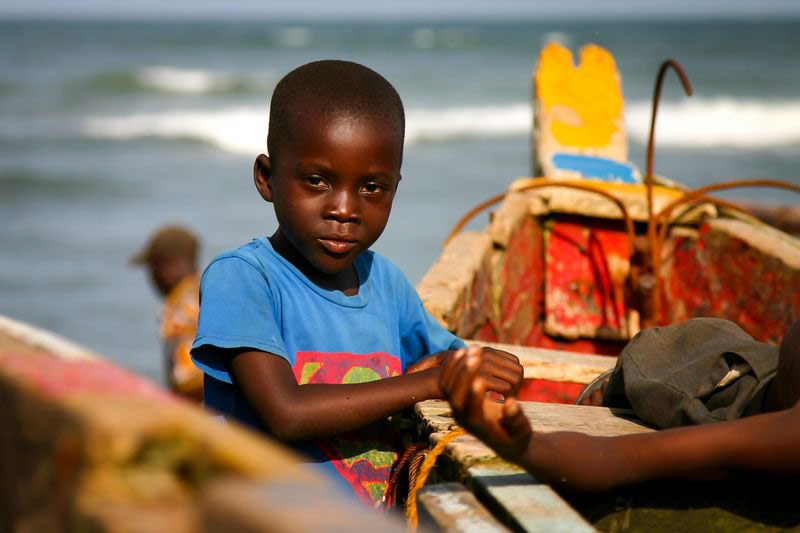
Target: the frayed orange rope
pixel 427 466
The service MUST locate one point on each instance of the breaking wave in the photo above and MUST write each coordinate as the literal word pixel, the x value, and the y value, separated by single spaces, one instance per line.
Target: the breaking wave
pixel 186 81
pixel 708 122
pixel 176 80
pixel 748 124
pixel 243 130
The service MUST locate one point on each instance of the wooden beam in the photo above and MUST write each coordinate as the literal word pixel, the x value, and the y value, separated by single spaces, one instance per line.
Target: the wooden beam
pixel 556 365
pixel 509 492
pixel 450 507
pixel 527 504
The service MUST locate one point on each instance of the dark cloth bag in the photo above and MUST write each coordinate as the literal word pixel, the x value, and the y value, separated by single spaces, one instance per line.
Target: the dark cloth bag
pixel 695 372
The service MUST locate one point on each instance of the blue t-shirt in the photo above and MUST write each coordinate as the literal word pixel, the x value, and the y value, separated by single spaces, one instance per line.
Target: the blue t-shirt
pixel 252 297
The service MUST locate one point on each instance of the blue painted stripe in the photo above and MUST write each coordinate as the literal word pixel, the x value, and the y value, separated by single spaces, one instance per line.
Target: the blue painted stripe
pixel 598 168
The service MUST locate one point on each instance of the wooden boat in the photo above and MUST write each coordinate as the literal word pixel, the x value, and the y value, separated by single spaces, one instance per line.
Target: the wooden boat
pixel 477 491
pixel 582 257
pixel 88 446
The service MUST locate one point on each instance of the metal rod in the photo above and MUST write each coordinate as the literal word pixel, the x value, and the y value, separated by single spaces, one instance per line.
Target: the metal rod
pixel 655 249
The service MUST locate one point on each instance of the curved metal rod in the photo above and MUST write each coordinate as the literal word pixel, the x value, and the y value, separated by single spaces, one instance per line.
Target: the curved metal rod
pixel 549 183
pixel 471 214
pixel 655 250
pixel 687 86
pixel 699 193
pixel 719 202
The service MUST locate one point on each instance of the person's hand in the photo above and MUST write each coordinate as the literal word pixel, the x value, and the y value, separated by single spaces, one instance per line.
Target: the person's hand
pixel 465 380
pixel 501 370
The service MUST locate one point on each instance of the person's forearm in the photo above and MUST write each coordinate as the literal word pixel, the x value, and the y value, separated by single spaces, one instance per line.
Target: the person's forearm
pixel 769 442
pixel 317 410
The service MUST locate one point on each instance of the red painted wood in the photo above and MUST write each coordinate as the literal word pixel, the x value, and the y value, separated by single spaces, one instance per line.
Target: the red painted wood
pixel 56 377
pixel 586 262
pixel 720 275
pixel 540 390
pixel 522 279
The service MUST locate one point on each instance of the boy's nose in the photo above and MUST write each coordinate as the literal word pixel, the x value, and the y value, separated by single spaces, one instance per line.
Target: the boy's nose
pixel 344 207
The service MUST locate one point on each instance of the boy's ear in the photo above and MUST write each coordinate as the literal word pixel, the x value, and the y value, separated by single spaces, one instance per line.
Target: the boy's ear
pixel 262 174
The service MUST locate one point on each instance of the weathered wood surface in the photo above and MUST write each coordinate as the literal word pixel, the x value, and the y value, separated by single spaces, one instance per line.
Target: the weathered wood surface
pixel 248 506
pixel 86 445
pixel 587 276
pixel 446 289
pixel 524 503
pixel 451 508
pixel 544 200
pixel 556 365
pixel 512 494
pixel 436 417
pixel 745 272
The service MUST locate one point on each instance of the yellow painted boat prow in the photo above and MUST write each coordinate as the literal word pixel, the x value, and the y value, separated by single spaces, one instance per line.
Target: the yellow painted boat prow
pixel 579 124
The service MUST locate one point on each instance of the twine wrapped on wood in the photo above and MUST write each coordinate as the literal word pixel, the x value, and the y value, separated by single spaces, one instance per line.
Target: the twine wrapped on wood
pixel 427 466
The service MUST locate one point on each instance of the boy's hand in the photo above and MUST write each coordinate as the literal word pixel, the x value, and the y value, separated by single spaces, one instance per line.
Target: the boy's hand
pixel 501 370
pixel 464 382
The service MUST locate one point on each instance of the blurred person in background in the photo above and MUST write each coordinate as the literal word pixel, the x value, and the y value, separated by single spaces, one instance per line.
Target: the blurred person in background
pixel 171 259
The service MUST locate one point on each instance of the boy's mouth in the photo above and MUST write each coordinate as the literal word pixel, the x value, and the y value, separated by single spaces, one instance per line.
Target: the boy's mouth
pixel 337 244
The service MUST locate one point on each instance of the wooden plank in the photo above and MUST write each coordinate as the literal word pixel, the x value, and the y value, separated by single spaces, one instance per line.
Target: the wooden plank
pixel 287 505
pixel 554 199
pixel 527 504
pixel 732 269
pixel 450 507
pixel 556 365
pixel 512 494
pixel 445 289
pixel 436 418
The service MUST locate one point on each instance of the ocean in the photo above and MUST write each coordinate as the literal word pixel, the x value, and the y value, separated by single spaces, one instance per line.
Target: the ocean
pixel 111 129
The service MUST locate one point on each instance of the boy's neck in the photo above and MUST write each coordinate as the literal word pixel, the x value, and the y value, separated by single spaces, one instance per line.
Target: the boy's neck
pixel 345 281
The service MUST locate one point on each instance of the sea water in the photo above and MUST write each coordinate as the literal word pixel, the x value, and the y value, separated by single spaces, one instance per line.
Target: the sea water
pixel 110 129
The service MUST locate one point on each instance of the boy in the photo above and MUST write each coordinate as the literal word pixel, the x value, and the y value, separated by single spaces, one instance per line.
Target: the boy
pixel 346 321
pixel 171 260
pixel 768 443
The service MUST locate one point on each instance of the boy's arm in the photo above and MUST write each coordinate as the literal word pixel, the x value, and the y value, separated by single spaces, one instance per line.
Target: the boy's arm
pixel 294 412
pixel 767 443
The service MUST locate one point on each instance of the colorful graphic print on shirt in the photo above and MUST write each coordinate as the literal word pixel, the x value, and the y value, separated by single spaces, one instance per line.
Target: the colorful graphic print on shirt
pixel 364 457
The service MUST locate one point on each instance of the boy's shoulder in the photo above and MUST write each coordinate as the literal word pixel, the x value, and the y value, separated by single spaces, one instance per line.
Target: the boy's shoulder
pixel 255 255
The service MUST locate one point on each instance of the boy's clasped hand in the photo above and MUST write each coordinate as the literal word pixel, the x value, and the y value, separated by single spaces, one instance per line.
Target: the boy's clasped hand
pixel 465 381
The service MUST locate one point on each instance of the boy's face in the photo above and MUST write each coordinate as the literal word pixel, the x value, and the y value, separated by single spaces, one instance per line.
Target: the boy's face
pixel 332 185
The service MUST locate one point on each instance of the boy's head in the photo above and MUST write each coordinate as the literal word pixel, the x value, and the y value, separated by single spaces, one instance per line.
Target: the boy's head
pixel 170 255
pixel 335 149
pixel 330 89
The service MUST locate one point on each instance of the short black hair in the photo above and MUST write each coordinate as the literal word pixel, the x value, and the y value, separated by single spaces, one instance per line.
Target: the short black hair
pixel 333 89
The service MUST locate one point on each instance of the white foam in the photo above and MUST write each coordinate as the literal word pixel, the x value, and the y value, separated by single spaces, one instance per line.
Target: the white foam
pixel 185 81
pixel 295 37
pixel 243 130
pixel 455 122
pixel 709 122
pixel 238 130
pixel 697 123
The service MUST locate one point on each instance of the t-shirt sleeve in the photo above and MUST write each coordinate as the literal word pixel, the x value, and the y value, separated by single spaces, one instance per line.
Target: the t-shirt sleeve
pixel 237 310
pixel 421 334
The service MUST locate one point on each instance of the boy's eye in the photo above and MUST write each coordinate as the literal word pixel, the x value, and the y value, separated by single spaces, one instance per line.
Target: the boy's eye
pixel 372 187
pixel 315 181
